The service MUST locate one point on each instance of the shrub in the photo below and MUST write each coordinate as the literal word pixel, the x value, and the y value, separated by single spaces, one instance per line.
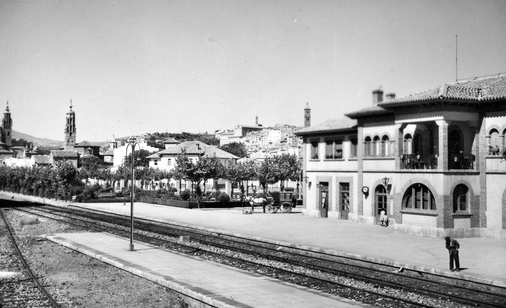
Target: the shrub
pixel 185 195
pixel 223 197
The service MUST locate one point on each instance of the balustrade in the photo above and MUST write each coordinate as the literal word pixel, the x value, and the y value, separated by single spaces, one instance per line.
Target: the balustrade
pixel 417 161
pixel 461 161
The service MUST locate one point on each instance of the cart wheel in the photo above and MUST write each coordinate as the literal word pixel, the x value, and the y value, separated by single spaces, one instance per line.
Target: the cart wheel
pixel 270 209
pixel 287 207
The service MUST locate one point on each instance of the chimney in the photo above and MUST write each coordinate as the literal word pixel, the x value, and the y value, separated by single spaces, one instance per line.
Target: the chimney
pixel 390 96
pixel 377 96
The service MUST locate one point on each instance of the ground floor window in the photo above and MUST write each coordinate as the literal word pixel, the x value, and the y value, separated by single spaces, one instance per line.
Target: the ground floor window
pixel 418 197
pixel 460 197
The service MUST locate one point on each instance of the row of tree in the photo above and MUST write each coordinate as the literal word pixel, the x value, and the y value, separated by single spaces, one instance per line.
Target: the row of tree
pixel 63 179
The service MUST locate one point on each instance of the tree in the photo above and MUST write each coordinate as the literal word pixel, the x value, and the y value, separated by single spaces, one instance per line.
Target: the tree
pixel 268 172
pixel 238 173
pixel 66 177
pixel 140 159
pixel 290 168
pixel 236 148
pixel 90 167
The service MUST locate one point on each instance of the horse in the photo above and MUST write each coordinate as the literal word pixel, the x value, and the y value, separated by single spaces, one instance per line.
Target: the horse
pixel 255 201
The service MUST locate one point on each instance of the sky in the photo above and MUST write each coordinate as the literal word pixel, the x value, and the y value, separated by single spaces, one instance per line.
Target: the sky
pixel 133 66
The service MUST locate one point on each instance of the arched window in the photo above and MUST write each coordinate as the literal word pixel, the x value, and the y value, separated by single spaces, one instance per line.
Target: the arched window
pixel 495 145
pixel 376 146
pixel 385 143
pixel 367 146
pixel 418 197
pixel 460 198
pixel 407 144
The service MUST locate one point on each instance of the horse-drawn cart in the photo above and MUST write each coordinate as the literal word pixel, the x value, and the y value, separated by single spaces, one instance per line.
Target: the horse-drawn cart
pixel 281 201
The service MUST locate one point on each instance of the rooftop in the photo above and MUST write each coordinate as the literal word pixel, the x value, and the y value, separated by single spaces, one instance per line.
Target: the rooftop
pixel 193 148
pixel 342 124
pixel 477 90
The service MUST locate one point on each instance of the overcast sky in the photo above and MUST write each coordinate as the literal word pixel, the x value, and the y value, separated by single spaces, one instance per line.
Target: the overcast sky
pixel 135 66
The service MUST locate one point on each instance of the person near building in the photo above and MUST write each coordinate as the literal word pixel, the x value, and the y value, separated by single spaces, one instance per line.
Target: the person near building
pixel 453 248
pixel 383 219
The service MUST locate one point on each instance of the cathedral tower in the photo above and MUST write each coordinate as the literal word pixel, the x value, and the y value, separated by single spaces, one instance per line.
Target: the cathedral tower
pixel 7 127
pixel 70 130
pixel 307 116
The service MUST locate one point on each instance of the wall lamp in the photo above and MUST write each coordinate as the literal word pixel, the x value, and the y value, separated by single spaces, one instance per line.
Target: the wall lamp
pixel 385 181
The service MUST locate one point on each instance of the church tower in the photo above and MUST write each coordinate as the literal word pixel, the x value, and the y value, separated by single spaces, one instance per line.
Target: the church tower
pixel 70 130
pixel 7 127
pixel 307 116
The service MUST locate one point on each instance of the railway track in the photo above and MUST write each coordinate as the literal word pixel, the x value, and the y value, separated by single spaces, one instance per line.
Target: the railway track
pixel 369 282
pixel 23 289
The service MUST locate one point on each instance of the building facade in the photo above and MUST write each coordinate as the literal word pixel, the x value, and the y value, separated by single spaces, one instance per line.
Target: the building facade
pixel 433 161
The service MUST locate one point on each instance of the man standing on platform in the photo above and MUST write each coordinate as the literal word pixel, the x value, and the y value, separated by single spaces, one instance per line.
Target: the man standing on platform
pixel 453 248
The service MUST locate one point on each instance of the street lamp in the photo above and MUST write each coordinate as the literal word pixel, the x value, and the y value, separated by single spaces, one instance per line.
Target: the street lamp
pixel 132 142
pixel 385 181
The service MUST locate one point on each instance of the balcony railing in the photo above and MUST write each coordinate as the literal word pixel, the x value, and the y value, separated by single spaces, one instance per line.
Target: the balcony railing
pixel 461 161
pixel 417 161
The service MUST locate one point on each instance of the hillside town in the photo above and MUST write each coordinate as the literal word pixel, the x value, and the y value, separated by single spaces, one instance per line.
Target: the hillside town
pixel 270 154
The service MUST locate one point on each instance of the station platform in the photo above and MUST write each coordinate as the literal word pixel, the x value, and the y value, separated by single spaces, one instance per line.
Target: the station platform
pixel 205 282
pixel 482 259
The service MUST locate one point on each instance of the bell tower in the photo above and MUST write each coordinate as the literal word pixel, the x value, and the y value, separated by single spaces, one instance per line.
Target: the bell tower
pixel 307 116
pixel 7 126
pixel 70 130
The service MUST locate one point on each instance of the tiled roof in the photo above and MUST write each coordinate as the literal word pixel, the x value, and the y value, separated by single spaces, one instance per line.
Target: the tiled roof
pixel 337 125
pixel 374 110
pixel 193 148
pixel 477 90
pixel 41 159
pixel 170 141
pixel 60 153
pixel 87 144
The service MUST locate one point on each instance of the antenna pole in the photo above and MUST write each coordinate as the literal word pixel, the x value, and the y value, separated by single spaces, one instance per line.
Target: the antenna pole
pixel 456 58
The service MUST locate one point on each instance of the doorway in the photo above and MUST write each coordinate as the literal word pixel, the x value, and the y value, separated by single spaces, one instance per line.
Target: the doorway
pixel 344 200
pixel 324 199
pixel 381 202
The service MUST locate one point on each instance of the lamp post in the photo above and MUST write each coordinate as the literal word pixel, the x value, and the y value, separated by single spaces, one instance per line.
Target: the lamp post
pixel 132 142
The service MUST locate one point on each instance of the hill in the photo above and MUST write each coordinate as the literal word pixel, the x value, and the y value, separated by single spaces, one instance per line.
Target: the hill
pixel 44 142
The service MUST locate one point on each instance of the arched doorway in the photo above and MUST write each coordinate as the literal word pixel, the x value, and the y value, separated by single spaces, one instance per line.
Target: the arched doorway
pixel 380 201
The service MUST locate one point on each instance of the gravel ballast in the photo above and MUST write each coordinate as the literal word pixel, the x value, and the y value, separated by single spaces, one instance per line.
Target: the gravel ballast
pixel 76 280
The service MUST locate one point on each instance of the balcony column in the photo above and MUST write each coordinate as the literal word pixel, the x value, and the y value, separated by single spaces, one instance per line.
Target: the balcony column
pixel 442 158
pixel 475 148
pixel 399 145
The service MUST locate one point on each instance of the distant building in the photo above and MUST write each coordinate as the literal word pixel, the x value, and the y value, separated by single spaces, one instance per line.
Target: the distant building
pixel 62 155
pixel 70 130
pixel 88 148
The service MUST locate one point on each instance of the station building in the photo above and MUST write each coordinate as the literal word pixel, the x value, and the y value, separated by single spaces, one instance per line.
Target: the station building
pixel 434 161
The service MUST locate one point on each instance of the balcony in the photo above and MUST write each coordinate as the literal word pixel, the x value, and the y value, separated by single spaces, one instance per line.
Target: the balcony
pixel 461 161
pixel 417 161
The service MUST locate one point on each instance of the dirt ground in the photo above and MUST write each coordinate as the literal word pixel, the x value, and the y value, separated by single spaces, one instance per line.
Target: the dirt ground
pixel 76 280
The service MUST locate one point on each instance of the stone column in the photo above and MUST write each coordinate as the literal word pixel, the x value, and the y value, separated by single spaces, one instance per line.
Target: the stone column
pixel 360 167
pixel 399 144
pixel 442 159
pixel 481 165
